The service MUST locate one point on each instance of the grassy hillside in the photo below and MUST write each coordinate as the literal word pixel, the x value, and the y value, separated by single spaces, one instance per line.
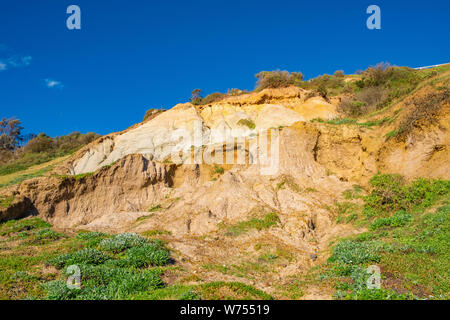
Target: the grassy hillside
pixel 34 261
pixel 408 237
pixel 39 156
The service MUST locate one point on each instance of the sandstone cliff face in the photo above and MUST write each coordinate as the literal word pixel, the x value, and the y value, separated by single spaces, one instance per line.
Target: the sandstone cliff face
pixel 128 184
pixel 182 126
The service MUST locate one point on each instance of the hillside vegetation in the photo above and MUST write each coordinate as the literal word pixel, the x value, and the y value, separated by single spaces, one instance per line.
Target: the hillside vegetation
pixel 408 237
pixel 362 182
pixel 38 156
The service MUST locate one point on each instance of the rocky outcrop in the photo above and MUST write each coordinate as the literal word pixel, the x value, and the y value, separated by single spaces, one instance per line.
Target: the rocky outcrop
pixel 130 184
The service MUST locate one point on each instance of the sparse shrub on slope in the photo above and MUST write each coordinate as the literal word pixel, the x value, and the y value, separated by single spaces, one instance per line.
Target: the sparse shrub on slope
pixel 151 113
pixel 391 193
pixel 277 79
pixel 379 86
pixel 211 98
pixel 422 111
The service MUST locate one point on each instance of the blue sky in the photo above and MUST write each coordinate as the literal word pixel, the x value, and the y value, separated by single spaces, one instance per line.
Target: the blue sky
pixel 130 56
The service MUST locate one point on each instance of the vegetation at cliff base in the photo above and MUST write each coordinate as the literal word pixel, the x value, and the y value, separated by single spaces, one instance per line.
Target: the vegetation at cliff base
pixel 18 152
pixel 408 237
pixel 36 263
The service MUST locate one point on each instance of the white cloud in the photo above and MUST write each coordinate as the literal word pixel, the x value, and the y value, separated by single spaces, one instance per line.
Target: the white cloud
pixel 14 62
pixel 49 83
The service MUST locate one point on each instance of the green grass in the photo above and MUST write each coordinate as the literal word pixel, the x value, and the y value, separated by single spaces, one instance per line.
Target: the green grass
pixel 349 121
pixel 391 134
pixel 353 193
pixel 209 291
pixel 22 177
pixel 231 291
pixel 218 170
pixel 156 232
pixel 155 208
pixel 407 239
pixel 247 123
pixel 26 162
pixel 399 219
pixel 5 201
pixel 269 220
pixel 16 226
pixel 174 292
pixel 123 266
pixel 82 176
pixel 120 267
pixel 43 149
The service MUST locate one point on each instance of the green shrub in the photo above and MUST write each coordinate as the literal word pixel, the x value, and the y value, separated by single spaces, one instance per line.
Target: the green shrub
pixel 379 87
pixel 105 283
pixel 354 252
pixel 92 239
pixel 325 84
pixel 277 79
pixel 422 110
pixel 248 123
pixel 122 242
pixel 5 201
pixel 219 170
pixel 211 98
pixel 398 220
pixel 391 193
pixel 85 256
pixel 118 283
pixel 339 73
pixel 46 234
pixel 151 113
pixel 13 226
pixel 147 255
pixel 269 220
pixel 378 294
pixel 58 290
pixel 43 148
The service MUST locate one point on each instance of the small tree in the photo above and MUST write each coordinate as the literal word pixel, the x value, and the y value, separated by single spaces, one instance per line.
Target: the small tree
pixel 339 73
pixel 10 134
pixel 40 143
pixel 296 78
pixel 196 96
